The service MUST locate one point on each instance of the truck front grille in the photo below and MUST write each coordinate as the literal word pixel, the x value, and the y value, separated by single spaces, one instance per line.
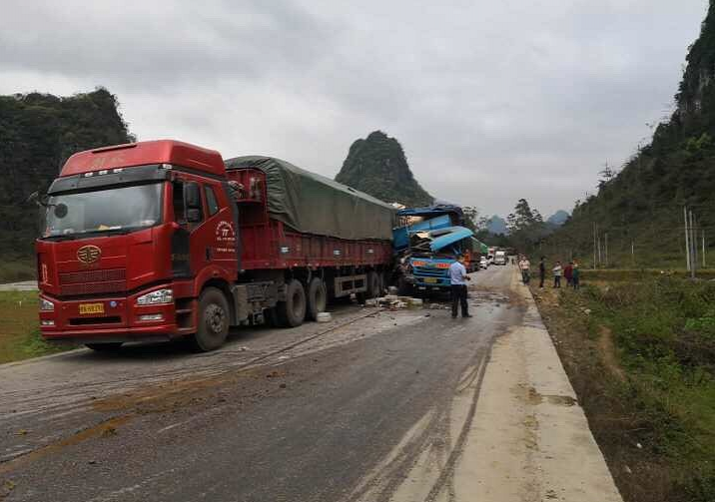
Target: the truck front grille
pixel 88 282
pixel 430 272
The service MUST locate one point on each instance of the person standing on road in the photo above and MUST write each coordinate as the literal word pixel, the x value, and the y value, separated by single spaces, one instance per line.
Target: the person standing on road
pixel 542 272
pixel 568 273
pixel 458 277
pixel 557 274
pixel 525 267
pixel 575 276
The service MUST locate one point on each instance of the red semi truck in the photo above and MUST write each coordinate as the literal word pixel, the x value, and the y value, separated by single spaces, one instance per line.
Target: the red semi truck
pixel 161 240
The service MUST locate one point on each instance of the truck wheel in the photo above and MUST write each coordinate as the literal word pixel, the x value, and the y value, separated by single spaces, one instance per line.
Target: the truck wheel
pixel 213 320
pixel 291 313
pixel 317 298
pixel 374 287
pixel 271 318
pixel 104 347
pixel 404 288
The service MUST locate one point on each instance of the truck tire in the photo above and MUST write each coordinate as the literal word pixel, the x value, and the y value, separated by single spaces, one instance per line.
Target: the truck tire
pixel 213 320
pixel 104 347
pixel 291 313
pixel 317 298
pixel 271 319
pixel 374 285
pixel 404 288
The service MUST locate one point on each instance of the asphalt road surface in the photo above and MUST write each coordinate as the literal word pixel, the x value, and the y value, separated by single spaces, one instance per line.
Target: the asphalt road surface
pixel 342 411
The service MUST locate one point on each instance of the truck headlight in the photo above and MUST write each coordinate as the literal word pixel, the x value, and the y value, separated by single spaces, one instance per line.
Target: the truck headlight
pixel 156 297
pixel 46 305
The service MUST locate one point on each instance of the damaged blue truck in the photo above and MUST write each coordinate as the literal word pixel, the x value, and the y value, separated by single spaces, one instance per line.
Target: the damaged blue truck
pixel 427 241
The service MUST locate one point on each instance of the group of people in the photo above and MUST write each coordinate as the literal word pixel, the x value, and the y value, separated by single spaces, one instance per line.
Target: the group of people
pixel 570 272
pixel 459 276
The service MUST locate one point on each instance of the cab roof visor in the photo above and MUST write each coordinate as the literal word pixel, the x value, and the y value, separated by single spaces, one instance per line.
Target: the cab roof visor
pixel 113 177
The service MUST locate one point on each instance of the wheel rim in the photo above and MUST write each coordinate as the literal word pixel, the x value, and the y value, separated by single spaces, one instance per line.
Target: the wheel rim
pixel 215 319
pixel 320 300
pixel 297 304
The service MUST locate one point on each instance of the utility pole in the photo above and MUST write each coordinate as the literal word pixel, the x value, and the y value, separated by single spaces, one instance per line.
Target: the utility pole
pixel 633 253
pixel 703 235
pixel 687 238
pixel 606 236
pixel 693 248
pixel 695 242
pixel 594 245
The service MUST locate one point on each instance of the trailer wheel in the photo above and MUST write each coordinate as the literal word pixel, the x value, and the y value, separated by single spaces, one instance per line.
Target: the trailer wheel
pixel 291 313
pixel 317 298
pixel 104 347
pixel 213 320
pixel 374 285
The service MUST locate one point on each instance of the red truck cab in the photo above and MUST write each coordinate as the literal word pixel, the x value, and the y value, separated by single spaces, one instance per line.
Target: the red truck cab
pixel 130 230
pixel 142 242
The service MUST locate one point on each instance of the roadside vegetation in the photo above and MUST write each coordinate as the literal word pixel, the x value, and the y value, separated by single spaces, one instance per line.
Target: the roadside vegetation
pixel 641 357
pixel 15 270
pixel 19 329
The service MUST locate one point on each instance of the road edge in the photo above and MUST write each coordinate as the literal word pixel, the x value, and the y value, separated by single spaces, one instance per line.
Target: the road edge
pixel 530 437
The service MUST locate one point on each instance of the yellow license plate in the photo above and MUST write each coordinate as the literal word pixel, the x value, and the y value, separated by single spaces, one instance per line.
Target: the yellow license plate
pixel 431 280
pixel 91 308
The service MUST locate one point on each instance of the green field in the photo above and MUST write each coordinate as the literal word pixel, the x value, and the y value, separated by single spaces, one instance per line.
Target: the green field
pixel 19 329
pixel 641 355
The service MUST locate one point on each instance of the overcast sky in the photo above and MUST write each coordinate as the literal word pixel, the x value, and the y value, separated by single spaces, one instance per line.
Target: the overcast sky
pixel 491 100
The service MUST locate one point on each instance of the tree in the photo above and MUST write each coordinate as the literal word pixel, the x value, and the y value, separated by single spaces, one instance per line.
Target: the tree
pixel 526 226
pixel 607 174
pixel 471 218
pixel 522 217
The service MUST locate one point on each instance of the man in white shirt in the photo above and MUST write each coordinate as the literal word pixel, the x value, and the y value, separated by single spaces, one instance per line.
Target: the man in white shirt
pixel 458 277
pixel 525 267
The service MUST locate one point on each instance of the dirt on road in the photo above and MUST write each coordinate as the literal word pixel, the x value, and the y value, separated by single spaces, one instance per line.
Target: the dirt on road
pixel 407 405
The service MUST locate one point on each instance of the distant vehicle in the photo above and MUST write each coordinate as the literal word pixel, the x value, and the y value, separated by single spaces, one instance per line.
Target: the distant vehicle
pixel 500 258
pixel 484 262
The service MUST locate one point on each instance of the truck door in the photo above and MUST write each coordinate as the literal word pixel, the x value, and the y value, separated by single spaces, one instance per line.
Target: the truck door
pixel 180 240
pixel 222 239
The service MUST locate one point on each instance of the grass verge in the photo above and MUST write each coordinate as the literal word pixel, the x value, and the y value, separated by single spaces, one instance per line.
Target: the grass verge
pixel 19 330
pixel 641 357
pixel 12 270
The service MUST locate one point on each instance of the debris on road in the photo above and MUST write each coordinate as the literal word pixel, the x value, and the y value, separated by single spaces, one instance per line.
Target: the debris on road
pixel 394 302
pixel 324 317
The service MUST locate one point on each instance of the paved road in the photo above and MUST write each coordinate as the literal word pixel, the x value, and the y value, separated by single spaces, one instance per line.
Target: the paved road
pixel 343 411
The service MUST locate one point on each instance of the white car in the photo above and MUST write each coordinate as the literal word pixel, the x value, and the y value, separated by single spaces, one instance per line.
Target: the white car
pixel 483 262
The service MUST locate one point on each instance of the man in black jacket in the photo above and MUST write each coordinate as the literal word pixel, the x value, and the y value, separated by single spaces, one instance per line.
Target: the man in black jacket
pixel 542 272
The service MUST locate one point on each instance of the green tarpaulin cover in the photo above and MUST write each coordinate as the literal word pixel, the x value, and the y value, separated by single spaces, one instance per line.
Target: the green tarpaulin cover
pixel 314 204
pixel 479 246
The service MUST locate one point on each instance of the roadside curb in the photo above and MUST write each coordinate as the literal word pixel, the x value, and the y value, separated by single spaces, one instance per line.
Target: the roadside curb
pixel 42 358
pixel 529 438
pixel 562 452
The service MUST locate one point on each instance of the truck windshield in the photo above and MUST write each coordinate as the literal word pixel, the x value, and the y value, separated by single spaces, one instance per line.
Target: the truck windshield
pixel 116 209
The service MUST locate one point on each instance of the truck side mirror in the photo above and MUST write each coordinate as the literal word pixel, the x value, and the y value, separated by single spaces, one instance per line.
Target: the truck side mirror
pixel 192 195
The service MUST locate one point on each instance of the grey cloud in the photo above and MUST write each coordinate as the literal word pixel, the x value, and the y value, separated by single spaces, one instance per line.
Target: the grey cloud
pixel 492 101
pixel 171 43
